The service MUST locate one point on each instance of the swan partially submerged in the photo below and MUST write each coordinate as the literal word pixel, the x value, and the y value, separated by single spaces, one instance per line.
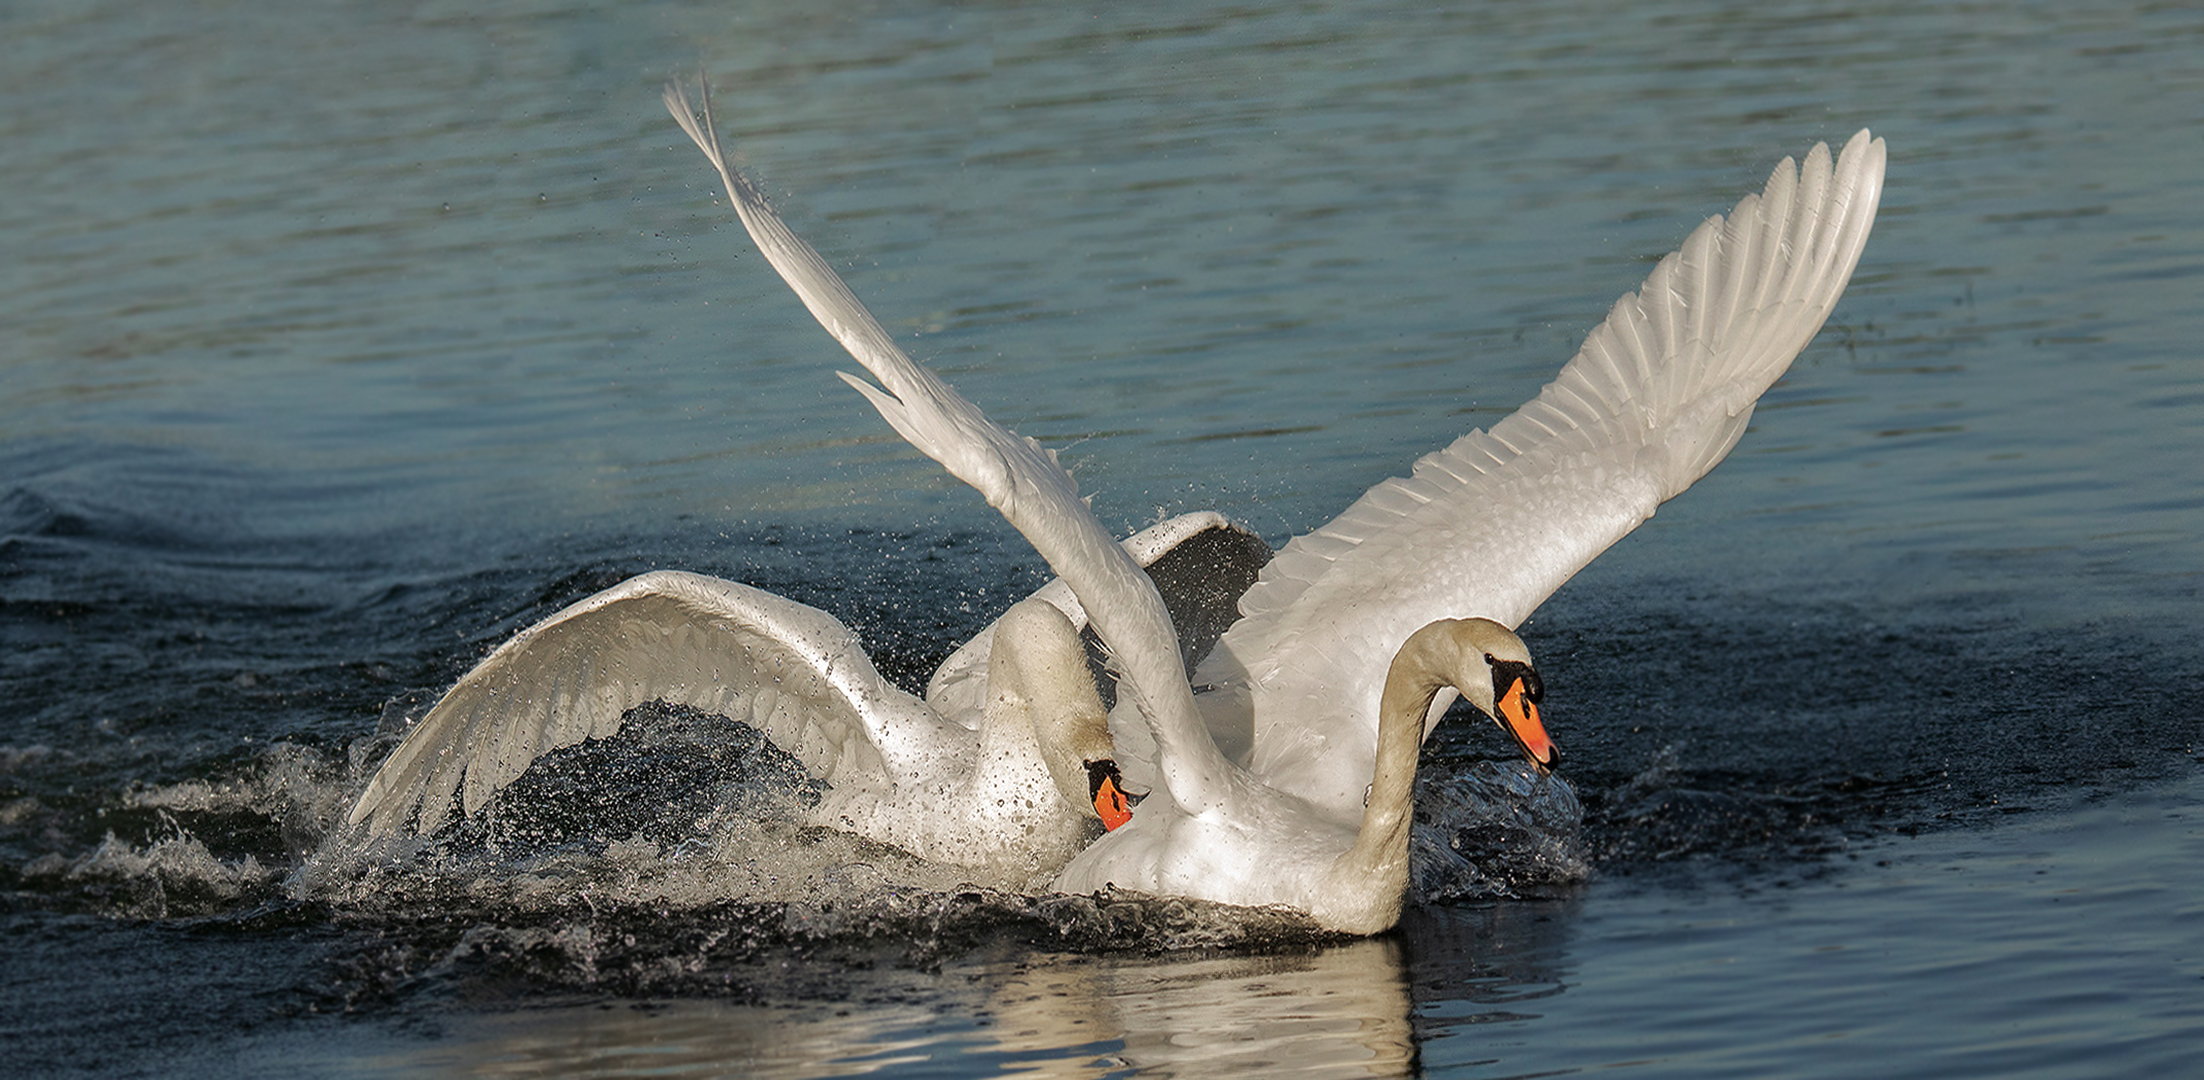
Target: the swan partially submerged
pixel 1347 649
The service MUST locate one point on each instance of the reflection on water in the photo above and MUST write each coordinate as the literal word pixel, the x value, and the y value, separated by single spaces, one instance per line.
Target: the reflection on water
pixel 688 1039
pixel 1312 1007
pixel 1334 1011
pixel 2035 949
pixel 1337 1013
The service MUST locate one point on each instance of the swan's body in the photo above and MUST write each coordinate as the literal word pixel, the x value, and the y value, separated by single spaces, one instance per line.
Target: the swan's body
pixel 990 769
pixel 1357 635
pixel 1265 845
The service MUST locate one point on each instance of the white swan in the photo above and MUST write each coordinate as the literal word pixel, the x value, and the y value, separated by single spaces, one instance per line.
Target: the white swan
pixel 1318 816
pixel 1350 646
pixel 1006 763
pixel 1357 634
pixel 1263 844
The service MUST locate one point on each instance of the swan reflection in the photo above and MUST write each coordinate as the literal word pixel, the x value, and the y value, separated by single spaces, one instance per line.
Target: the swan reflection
pixel 1358 1008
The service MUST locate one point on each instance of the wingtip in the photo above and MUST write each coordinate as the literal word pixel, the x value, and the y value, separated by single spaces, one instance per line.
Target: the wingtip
pixel 1861 161
pixel 695 117
pixel 1864 157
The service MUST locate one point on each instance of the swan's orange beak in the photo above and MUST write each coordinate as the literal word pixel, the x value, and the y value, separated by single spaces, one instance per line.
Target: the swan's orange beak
pixel 1520 714
pixel 1111 803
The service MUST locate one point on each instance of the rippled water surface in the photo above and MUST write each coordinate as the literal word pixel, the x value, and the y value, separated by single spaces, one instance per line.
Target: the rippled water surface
pixel 339 342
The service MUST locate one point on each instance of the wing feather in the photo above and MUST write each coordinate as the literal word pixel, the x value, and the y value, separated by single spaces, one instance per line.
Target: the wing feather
pixel 790 670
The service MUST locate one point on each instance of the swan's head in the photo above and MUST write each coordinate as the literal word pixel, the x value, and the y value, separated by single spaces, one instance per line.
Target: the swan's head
pixel 1038 675
pixel 1491 667
pixel 1108 798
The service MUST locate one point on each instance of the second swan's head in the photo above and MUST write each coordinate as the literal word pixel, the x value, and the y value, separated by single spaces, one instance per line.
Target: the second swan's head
pixel 1492 668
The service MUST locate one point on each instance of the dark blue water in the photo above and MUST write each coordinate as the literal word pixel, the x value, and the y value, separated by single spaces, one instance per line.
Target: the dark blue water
pixel 342 342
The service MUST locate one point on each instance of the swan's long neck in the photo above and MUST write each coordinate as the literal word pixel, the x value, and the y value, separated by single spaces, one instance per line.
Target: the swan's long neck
pixel 1037 673
pixel 1442 654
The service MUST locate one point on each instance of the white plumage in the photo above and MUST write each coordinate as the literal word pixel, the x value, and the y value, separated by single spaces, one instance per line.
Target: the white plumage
pixel 987 770
pixel 1493 524
pixel 1348 647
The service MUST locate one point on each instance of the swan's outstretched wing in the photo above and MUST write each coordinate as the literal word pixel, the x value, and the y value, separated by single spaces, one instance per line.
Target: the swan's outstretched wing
pixel 1493 524
pixel 792 671
pixel 1018 477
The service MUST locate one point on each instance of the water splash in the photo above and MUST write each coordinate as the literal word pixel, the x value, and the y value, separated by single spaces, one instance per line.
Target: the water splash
pixel 176 875
pixel 1494 830
pixel 676 858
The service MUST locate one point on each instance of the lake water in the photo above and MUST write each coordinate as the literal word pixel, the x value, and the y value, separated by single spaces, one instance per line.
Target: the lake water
pixel 342 341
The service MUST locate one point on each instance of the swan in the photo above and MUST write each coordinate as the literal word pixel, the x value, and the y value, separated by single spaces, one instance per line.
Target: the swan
pixel 1354 639
pixel 1352 642
pixel 1263 844
pixel 1005 763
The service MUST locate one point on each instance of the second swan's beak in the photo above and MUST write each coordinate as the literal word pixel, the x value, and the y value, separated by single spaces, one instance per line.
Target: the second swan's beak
pixel 1519 712
pixel 1111 803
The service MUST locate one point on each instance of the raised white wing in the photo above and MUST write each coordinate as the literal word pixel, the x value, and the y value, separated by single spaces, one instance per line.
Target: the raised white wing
pixel 1493 524
pixel 791 671
pixel 1017 476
